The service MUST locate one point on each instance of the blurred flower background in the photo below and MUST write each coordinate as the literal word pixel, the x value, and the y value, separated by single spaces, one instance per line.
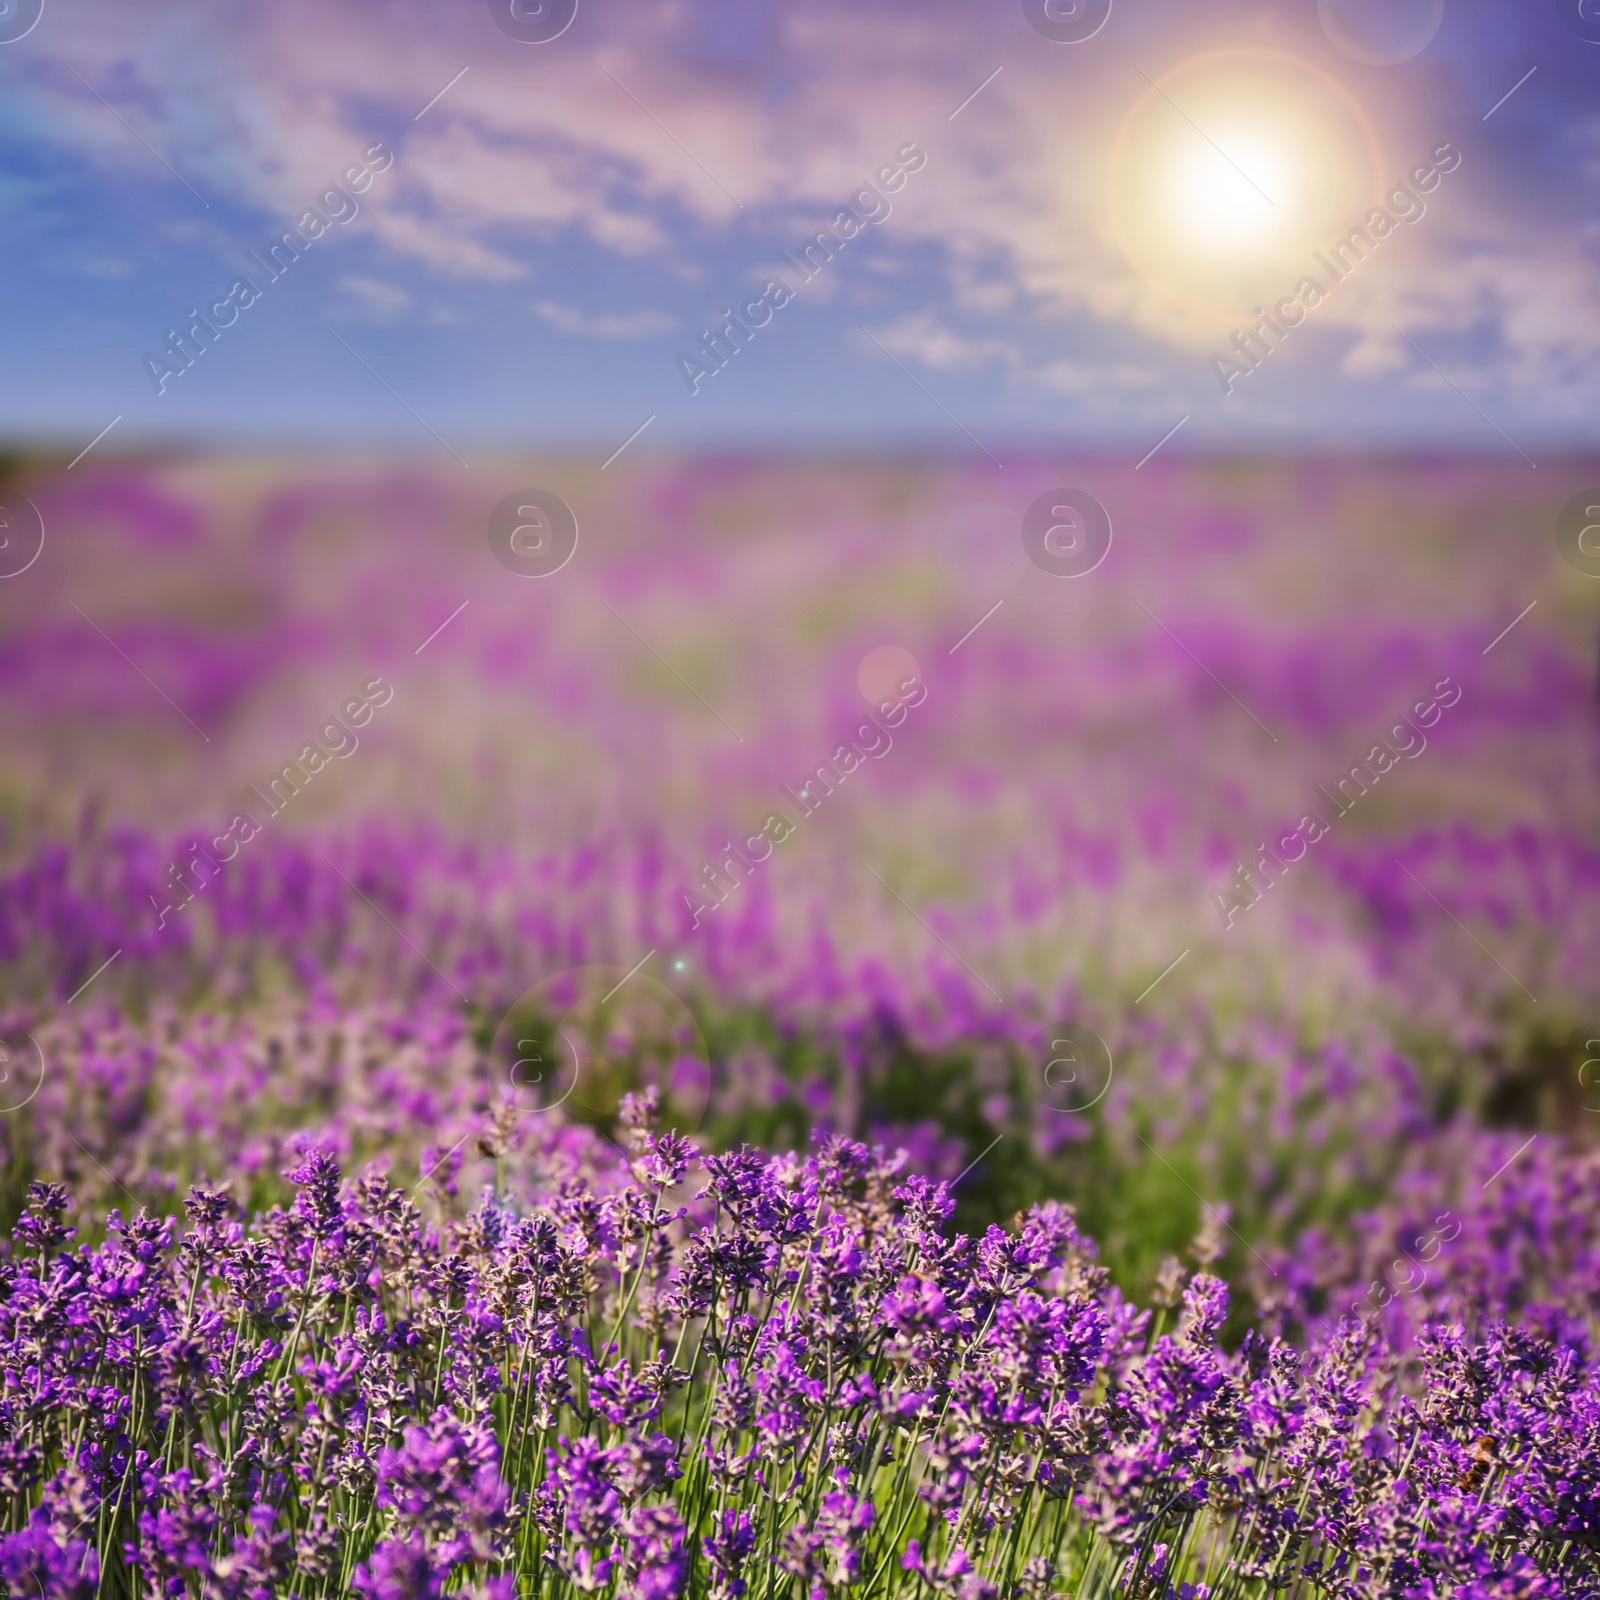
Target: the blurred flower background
pixel 1299 849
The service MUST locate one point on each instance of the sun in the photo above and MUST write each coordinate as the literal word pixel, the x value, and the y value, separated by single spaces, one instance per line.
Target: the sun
pixel 1230 170
pixel 1227 199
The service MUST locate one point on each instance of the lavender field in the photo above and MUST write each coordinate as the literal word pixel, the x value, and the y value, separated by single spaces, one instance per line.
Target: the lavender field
pixel 792 1050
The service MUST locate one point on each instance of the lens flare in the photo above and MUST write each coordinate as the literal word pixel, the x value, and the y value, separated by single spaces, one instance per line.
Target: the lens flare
pixel 1380 33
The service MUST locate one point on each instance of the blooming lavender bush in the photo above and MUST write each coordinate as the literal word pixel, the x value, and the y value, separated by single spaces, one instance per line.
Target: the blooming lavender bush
pixel 745 1375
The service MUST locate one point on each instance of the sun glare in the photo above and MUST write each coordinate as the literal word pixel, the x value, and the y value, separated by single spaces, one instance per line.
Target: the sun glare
pixel 1230 170
pixel 1228 197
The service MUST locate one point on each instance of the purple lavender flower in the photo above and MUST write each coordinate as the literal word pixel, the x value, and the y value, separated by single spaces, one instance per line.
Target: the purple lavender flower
pixel 657 1564
pixel 444 1483
pixel 727 1549
pixel 400 1569
pixel 34 1561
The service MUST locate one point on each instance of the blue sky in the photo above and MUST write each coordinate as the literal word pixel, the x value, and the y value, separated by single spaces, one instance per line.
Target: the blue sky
pixel 556 230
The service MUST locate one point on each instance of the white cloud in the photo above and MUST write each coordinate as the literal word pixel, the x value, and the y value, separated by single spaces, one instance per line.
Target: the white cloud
pixel 377 300
pixel 923 338
pixel 605 324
